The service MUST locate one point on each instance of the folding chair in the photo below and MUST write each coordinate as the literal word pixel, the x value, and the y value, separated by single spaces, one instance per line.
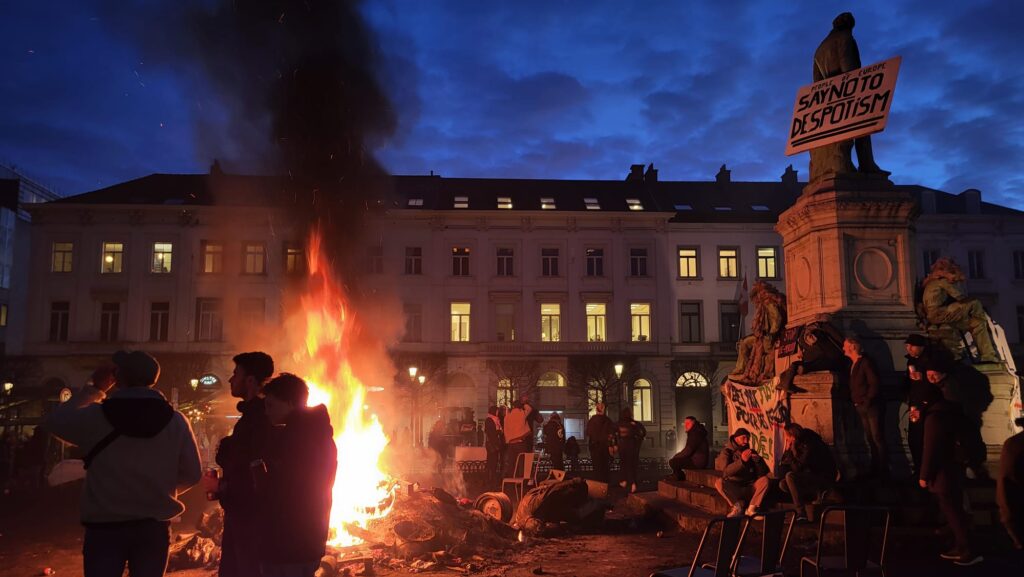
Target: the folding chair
pixel 775 532
pixel 523 476
pixel 729 539
pixel 856 535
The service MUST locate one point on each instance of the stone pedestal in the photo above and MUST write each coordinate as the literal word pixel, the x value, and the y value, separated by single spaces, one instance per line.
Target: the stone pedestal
pixel 997 420
pixel 813 408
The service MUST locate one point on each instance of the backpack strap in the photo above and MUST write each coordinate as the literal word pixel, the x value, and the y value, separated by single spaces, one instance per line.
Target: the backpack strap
pixel 98 447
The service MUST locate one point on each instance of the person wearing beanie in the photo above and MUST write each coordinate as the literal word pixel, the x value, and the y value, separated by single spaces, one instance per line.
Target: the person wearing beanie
pixel 140 455
pixel 744 474
pixel 919 393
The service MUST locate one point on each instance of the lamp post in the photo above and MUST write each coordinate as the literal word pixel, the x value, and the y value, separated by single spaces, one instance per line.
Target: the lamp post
pixel 195 384
pixel 415 398
pixel 618 376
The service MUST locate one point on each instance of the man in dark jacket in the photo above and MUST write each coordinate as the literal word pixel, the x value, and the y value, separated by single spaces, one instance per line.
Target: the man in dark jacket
pixel 943 475
pixel 236 452
pixel 554 440
pixel 864 392
pixel 695 453
pixel 494 443
pixel 810 468
pixel 744 474
pixel 600 430
pixel 300 460
pixel 629 439
pixel 919 394
pixel 971 447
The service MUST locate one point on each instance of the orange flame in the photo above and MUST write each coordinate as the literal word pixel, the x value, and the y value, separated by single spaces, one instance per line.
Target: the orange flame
pixel 362 490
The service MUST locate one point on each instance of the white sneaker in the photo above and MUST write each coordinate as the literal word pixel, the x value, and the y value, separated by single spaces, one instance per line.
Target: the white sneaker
pixel 737 509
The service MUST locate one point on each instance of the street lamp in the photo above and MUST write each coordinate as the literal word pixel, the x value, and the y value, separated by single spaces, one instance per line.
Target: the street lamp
pixel 618 376
pixel 422 379
pixel 8 386
pixel 412 372
pixel 194 383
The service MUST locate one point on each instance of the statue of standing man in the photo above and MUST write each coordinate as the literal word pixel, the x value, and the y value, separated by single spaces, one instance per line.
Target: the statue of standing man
pixel 836 55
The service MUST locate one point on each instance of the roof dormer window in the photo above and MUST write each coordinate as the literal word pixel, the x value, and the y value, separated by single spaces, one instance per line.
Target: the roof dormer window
pixel 461 202
pixel 415 202
pixel 634 204
pixel 547 203
pixel 592 204
pixel 505 202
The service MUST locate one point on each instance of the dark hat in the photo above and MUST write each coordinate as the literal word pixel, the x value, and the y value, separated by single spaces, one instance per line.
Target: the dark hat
pixel 738 432
pixel 916 340
pixel 136 368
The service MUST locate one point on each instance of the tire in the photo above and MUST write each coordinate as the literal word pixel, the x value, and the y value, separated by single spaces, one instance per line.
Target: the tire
pixel 496 505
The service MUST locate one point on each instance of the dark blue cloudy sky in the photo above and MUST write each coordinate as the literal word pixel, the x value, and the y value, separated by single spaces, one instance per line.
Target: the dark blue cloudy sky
pixel 542 89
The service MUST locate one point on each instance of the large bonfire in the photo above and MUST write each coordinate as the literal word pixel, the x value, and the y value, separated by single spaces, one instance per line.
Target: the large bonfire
pixel 362 490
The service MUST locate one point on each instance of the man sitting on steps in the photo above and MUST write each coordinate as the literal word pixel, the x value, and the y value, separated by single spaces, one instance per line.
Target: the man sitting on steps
pixel 809 468
pixel 744 474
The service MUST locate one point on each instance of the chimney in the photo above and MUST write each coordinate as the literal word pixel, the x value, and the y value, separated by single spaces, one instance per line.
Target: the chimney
pixel 636 172
pixel 789 178
pixel 723 176
pixel 972 200
pixel 652 173
pixel 215 169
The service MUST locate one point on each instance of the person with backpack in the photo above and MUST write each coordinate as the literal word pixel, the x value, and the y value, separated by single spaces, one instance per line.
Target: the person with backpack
pixel 140 456
pixel 631 435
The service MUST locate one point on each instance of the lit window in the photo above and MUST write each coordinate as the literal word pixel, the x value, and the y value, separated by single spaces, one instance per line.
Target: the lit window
pixel 461 202
pixel 549 261
pixel 592 204
pixel 460 322
pixel 638 262
pixel 728 262
pixel 113 258
pixel 643 404
pixel 723 208
pixel 413 260
pixel 595 395
pixel 759 208
pixel 213 257
pixel 3 315
pixel 547 203
pixel 596 322
pixel 640 322
pixel 460 261
pixel 692 379
pixel 415 202
pixel 767 262
pixel 61 257
pixel 595 262
pixel 551 379
pixel 683 207
pixel 506 393
pixel 505 202
pixel 162 252
pixel 254 258
pixel 689 265
pixel 506 261
pixel 634 204
pixel 294 259
pixel 550 322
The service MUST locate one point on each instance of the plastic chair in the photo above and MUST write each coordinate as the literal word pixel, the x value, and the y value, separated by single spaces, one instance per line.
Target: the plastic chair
pixel 856 535
pixel 729 539
pixel 775 532
pixel 524 475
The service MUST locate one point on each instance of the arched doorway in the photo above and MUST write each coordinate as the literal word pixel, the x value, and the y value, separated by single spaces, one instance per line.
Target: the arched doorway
pixel 693 398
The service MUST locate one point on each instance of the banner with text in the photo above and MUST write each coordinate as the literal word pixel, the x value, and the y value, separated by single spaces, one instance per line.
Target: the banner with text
pixel 762 411
pixel 843 107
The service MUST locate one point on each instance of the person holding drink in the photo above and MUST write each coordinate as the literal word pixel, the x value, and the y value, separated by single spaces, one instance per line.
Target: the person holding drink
pixel 744 474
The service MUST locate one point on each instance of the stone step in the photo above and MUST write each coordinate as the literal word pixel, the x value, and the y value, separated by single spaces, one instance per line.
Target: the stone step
pixel 694 495
pixel 704 477
pixel 669 512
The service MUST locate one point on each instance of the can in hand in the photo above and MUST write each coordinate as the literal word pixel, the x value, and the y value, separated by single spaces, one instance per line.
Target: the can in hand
pixel 213 476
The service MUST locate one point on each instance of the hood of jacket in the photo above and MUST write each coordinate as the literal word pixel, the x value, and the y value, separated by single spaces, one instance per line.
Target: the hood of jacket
pixel 735 447
pixel 137 411
pixel 313 421
pixel 698 431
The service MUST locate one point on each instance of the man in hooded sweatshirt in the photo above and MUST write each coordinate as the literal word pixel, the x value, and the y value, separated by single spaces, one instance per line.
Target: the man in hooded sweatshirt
pixel 695 454
pixel 140 455
pixel 744 474
pixel 295 480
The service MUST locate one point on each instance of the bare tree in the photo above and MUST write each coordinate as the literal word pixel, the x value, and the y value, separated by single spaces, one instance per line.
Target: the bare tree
pixel 592 379
pixel 520 375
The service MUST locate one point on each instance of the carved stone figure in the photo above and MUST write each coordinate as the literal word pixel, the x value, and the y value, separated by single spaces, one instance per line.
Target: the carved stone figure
pixel 836 55
pixel 756 362
pixel 943 307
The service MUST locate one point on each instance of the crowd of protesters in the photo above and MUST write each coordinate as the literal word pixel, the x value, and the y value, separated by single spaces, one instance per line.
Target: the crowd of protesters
pixel 277 470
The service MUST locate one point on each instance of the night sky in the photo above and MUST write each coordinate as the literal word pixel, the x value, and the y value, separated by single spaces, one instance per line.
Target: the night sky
pixel 538 89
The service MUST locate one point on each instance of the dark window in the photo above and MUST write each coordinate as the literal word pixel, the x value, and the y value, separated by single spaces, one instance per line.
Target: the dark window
pixel 1018 264
pixel 60 317
pixel 549 261
pixel 1020 323
pixel 413 323
pixel 375 259
pixel 460 261
pixel 110 320
pixel 413 260
pixel 930 256
pixel 975 264
pixel 638 262
pixel 209 320
pixel 729 322
pixel 159 321
pixel 252 313
pixel 506 262
pixel 595 262
pixel 689 322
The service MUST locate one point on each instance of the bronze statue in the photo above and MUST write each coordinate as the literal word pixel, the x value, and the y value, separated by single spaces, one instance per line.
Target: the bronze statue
pixel 944 307
pixel 756 359
pixel 836 55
